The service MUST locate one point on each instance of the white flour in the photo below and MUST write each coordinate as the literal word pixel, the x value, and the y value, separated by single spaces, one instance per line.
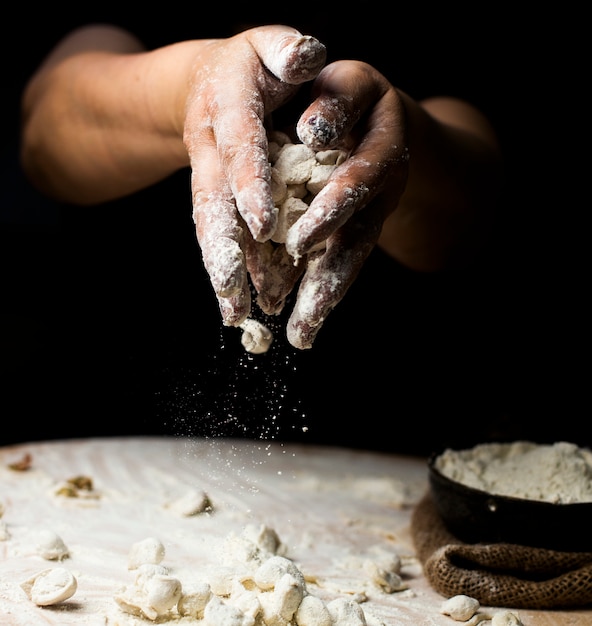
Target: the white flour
pixel 559 472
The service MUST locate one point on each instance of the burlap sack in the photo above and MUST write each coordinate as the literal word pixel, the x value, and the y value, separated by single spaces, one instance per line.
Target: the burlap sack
pixel 499 574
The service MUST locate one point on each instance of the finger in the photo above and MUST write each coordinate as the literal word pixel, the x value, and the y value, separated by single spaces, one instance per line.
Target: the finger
pixel 342 93
pixel 235 309
pixel 220 237
pixel 292 58
pixel 224 125
pixel 353 99
pixel 329 274
pixel 289 55
pixel 240 109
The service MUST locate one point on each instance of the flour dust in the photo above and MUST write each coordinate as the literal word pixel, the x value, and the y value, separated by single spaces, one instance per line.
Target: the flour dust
pixel 239 394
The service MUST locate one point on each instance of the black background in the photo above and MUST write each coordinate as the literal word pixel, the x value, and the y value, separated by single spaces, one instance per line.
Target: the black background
pixel 109 326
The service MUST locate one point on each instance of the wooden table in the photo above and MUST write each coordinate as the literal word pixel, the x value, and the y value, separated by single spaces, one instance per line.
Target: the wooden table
pixel 333 509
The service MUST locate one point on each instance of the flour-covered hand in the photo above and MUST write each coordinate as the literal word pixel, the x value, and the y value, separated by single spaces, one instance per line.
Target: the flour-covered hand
pixel 237 84
pixel 355 109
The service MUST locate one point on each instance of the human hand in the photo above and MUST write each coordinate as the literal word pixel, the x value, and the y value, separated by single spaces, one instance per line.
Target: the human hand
pixel 356 109
pixel 236 85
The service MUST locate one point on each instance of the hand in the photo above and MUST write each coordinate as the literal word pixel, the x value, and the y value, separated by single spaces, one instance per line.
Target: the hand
pixel 354 108
pixel 236 85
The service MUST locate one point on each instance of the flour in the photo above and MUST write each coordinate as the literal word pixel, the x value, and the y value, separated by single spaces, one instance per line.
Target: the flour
pixel 560 473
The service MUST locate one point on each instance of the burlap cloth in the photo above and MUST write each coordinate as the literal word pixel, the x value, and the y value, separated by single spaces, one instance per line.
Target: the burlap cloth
pixel 499 574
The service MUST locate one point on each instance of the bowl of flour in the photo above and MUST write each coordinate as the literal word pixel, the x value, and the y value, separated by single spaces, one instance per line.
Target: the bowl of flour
pixel 518 492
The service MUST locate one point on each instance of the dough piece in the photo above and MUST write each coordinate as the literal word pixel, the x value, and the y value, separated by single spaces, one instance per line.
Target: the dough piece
pixel 297 172
pixel 50 586
pixel 219 613
pixel 505 618
pixel 149 550
pixel 51 546
pixel 257 338
pixel 194 502
pixel 319 176
pixel 294 163
pixel 289 212
pixel 313 612
pixel 194 599
pixel 346 612
pixel 460 608
pixel 279 188
pixel 153 595
pixel 327 161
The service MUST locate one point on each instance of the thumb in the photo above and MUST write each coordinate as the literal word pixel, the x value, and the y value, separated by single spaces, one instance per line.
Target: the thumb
pixel 289 55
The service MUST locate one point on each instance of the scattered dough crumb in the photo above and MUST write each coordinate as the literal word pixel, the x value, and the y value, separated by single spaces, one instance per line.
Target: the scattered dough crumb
pixel 153 595
pixel 192 503
pixel 313 612
pixel 505 618
pixel 460 608
pixel 50 586
pixel 346 612
pixel 257 338
pixel 51 546
pixel 149 550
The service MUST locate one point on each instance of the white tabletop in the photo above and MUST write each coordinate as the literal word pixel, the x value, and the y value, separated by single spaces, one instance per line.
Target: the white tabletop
pixel 334 510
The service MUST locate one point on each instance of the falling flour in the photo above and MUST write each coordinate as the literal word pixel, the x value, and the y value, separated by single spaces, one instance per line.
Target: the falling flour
pixel 560 473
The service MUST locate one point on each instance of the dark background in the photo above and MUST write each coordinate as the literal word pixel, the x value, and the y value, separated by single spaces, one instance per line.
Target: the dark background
pixel 109 326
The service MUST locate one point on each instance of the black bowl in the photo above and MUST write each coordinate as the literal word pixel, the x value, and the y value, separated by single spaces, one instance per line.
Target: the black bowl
pixel 476 516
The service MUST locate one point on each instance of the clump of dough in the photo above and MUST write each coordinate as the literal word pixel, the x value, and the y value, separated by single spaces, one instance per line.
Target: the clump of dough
pixel 153 594
pixel 313 612
pixel 347 612
pixel 298 174
pixel 194 502
pixel 505 618
pixel 254 585
pixel 194 599
pixel 150 550
pixel 257 338
pixel 51 586
pixel 460 607
pixel 51 546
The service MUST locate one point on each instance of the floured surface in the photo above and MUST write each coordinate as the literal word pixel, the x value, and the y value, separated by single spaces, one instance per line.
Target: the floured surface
pixel 334 510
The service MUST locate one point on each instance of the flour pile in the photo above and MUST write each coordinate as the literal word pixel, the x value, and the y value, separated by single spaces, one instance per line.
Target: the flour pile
pixel 560 473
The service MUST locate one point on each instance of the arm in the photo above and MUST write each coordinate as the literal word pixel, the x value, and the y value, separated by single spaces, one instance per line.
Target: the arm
pixel 97 122
pixel 455 177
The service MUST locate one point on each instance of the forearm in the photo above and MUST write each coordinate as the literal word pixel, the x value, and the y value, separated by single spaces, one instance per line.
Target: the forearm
pixel 103 118
pixel 454 184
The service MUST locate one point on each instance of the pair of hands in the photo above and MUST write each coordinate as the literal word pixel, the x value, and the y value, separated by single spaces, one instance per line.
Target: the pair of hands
pixel 235 88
